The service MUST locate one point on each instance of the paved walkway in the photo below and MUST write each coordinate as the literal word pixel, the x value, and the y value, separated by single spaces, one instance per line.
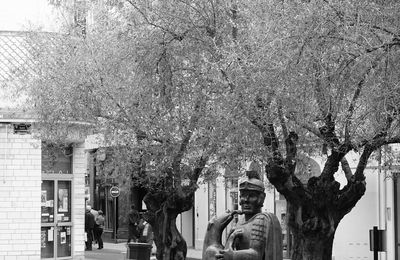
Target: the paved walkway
pixel 113 251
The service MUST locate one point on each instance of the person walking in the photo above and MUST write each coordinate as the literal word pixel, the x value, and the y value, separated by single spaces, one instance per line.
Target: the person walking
pixel 98 230
pixel 133 220
pixel 89 226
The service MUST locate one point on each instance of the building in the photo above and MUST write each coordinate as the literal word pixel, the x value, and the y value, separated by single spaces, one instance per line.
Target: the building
pixel 42 197
pixel 377 208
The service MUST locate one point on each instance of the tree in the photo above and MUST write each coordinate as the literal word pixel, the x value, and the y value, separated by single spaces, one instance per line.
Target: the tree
pixel 148 87
pixel 330 76
pixel 179 80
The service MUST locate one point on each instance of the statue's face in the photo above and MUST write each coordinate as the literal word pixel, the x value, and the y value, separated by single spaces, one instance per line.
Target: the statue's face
pixel 251 201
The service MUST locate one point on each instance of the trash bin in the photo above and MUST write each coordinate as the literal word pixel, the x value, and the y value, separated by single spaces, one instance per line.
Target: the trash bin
pixel 138 251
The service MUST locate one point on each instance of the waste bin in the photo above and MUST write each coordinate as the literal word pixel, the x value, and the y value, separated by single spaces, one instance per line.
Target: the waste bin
pixel 138 251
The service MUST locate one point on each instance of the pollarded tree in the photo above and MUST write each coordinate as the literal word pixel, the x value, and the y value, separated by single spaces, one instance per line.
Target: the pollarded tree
pixel 325 74
pixel 145 79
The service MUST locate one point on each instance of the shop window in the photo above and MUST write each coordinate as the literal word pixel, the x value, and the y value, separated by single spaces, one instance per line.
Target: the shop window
pixel 64 201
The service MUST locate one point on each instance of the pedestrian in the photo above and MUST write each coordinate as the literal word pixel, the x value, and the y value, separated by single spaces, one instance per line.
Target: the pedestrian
pixel 133 220
pixel 89 226
pixel 95 213
pixel 98 230
pixel 145 231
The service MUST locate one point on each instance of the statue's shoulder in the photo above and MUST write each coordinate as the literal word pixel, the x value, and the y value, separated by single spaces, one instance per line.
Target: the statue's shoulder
pixel 265 216
pixel 273 248
pixel 260 222
pixel 270 217
pixel 261 217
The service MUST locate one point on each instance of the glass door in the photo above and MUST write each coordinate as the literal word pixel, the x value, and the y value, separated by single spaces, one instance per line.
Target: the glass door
pixel 56 219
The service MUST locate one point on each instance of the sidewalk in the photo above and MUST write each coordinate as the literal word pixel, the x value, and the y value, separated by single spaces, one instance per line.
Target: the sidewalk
pixel 113 251
pixel 118 252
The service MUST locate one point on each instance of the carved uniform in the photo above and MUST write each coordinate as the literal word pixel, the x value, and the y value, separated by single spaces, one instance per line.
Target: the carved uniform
pixel 259 238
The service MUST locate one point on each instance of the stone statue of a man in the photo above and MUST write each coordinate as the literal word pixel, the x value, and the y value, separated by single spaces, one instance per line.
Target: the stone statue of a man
pixel 256 237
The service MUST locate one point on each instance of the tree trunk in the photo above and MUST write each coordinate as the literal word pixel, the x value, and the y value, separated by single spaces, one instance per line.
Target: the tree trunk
pixel 312 247
pixel 313 231
pixel 170 243
pixel 163 210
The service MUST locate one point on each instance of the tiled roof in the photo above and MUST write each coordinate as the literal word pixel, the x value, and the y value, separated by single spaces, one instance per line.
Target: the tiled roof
pixel 15 62
pixel 17 50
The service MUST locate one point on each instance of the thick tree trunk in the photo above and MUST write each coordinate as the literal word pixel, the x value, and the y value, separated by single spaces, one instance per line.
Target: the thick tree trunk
pixel 163 210
pixel 170 243
pixel 312 247
pixel 313 231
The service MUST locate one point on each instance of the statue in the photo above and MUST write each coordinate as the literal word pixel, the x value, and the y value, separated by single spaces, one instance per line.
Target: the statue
pixel 258 236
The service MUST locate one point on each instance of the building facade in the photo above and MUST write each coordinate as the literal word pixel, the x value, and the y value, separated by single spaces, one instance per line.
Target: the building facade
pixel 42 194
pixel 379 207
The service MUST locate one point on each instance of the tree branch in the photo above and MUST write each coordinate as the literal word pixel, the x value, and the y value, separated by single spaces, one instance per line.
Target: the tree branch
pixel 175 36
pixel 354 100
pixel 337 12
pixel 346 168
pixel 396 35
pixel 186 138
pixel 319 92
pixel 385 46
pixel 282 120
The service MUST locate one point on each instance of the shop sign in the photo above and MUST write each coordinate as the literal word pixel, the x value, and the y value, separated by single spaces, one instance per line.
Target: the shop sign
pixel 114 191
pixel 22 128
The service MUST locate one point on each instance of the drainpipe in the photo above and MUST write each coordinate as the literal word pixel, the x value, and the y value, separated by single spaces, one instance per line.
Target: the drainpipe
pixel 5 156
pixel 382 193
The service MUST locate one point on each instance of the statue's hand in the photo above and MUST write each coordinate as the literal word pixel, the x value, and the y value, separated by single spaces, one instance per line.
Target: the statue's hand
pixel 226 254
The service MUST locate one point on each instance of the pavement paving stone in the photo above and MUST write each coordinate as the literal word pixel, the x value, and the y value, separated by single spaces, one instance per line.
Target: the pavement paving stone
pixel 113 251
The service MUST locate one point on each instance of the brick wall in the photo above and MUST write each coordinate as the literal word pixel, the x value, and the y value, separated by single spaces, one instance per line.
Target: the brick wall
pixel 79 166
pixel 20 185
pixel 20 193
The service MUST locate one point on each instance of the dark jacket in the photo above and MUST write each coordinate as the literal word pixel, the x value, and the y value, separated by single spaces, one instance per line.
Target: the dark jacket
pixel 100 221
pixel 133 217
pixel 89 221
pixel 133 220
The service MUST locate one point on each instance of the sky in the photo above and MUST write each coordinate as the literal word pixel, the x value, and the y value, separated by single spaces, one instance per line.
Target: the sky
pixel 17 15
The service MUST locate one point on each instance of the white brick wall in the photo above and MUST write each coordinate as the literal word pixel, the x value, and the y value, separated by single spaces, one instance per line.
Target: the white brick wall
pixel 20 193
pixel 20 185
pixel 79 167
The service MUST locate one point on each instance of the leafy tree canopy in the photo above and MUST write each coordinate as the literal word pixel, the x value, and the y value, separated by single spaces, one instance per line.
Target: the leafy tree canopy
pixel 194 82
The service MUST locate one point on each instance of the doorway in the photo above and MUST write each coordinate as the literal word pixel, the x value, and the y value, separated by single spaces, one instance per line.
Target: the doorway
pixel 56 217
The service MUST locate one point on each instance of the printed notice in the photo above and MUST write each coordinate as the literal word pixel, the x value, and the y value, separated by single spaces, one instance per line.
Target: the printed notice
pixel 43 198
pixel 63 237
pixel 63 200
pixel 50 235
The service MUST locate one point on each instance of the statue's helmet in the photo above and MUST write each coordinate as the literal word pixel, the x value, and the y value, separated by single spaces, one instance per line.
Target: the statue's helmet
pixel 252 182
